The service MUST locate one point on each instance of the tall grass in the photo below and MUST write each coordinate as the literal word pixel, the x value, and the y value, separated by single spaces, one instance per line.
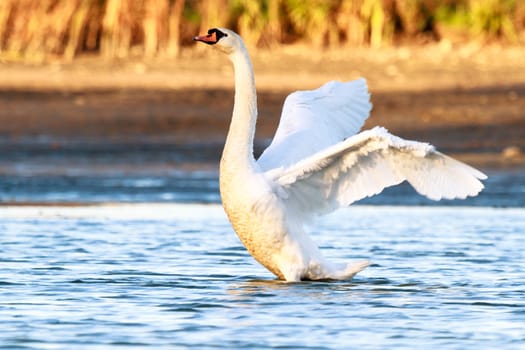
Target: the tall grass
pixel 37 30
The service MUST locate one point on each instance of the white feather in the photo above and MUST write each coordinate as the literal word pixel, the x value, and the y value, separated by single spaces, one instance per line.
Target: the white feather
pixel 314 120
pixel 314 165
pixel 364 165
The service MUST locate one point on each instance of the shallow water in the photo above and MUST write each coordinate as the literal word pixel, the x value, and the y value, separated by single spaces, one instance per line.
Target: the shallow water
pixel 50 170
pixel 164 276
pixel 147 275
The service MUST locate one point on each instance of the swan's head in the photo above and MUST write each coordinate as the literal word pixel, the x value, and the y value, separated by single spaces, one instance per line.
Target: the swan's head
pixel 224 40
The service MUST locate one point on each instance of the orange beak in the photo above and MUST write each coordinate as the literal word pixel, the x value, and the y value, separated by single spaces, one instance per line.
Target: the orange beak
pixel 207 39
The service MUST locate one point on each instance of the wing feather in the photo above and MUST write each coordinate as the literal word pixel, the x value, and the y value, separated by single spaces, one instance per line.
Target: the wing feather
pixel 365 164
pixel 315 120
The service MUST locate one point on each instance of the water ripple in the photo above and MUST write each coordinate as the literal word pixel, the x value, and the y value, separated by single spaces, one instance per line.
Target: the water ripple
pixel 158 277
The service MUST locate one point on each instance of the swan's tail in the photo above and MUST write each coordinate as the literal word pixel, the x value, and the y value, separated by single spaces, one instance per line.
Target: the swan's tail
pixel 350 270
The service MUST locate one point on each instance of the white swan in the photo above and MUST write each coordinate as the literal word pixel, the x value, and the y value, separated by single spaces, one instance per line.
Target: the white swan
pixel 315 164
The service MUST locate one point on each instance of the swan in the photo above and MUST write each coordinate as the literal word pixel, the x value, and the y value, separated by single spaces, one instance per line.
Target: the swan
pixel 317 162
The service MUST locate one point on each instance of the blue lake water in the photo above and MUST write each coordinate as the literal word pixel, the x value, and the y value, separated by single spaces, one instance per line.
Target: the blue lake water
pixel 36 170
pixel 174 276
pixel 161 268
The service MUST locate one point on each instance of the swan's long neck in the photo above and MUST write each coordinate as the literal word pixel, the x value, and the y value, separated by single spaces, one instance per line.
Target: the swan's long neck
pixel 239 142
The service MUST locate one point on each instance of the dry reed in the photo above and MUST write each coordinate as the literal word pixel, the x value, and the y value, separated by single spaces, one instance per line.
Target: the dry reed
pixel 37 30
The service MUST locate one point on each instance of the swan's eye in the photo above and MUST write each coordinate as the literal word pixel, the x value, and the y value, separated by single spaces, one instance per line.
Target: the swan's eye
pixel 218 34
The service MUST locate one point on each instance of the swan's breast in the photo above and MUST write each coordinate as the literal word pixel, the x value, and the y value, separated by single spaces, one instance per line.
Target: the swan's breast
pixel 258 218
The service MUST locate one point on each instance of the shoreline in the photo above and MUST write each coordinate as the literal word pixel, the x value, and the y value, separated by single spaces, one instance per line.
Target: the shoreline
pixel 468 100
pixel 283 69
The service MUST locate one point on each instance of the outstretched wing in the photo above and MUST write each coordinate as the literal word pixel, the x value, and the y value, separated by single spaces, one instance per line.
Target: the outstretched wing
pixel 314 120
pixel 365 164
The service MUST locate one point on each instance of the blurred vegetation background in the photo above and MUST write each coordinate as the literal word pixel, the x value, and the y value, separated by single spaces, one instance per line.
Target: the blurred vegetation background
pixel 42 30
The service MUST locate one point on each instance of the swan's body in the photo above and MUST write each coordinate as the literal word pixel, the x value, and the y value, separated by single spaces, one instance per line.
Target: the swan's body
pixel 315 164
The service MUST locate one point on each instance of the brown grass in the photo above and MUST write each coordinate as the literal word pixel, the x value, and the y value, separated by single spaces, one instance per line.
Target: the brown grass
pixel 40 30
